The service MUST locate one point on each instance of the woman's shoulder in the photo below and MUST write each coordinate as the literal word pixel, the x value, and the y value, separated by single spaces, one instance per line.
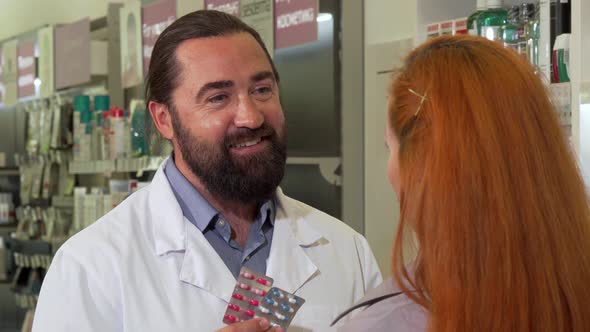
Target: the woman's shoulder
pixel 397 313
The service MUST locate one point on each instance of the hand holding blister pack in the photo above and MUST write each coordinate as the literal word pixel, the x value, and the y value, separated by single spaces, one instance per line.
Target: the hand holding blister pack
pixel 255 297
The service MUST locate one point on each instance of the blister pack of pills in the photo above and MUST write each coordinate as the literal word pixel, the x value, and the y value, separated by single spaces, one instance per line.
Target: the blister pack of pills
pixel 249 292
pixel 279 307
pixel 254 297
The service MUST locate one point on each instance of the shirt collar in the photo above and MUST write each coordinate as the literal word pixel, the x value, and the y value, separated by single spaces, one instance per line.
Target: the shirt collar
pixel 197 209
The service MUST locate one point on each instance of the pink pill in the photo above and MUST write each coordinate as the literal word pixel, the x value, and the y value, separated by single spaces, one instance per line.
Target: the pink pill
pixel 259 292
pixel 234 307
pixel 238 296
pixel 249 313
pixel 254 302
pixel 262 281
pixel 230 318
pixel 248 275
pixel 245 286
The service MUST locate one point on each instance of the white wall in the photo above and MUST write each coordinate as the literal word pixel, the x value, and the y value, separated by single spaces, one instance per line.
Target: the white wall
pixel 390 27
pixel 18 16
pixel 389 20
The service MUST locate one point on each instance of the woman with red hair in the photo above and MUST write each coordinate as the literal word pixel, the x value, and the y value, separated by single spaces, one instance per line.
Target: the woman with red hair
pixel 491 193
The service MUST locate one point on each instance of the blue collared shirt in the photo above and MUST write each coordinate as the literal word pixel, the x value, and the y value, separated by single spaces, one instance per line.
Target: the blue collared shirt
pixel 218 231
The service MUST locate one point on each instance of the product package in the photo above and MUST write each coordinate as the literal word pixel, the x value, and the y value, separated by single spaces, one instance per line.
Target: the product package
pixel 446 28
pixel 460 26
pixel 45 124
pixel 249 292
pixel 432 30
pixel 255 297
pixel 561 59
pixel 279 307
pixel 33 128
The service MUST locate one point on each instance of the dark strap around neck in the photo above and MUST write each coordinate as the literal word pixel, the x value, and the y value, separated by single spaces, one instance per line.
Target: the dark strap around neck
pixel 367 303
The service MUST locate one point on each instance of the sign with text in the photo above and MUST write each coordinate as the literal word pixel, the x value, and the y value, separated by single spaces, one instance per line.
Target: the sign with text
pixel 296 22
pixel 259 14
pixel 72 54
pixel 131 53
pixel 227 6
pixel 46 57
pixel 26 69
pixel 155 18
pixel 10 72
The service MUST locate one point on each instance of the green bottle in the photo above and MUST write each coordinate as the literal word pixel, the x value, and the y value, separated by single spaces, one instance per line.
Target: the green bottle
pixel 512 32
pixel 472 19
pixel 491 21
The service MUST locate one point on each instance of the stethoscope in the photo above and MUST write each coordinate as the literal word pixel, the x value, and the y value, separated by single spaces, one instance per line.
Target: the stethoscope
pixel 367 303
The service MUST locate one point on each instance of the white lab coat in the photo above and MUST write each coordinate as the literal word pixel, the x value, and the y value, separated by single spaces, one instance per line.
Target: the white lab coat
pixel 144 267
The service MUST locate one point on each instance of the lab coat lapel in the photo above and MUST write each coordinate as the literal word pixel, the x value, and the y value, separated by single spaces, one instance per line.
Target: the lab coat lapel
pixel 288 264
pixel 174 234
pixel 203 268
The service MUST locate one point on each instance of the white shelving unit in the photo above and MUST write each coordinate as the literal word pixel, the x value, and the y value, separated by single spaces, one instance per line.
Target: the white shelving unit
pixel 127 165
pixel 430 11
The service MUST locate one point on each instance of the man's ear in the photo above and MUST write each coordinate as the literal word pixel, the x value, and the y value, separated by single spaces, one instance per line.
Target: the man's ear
pixel 162 119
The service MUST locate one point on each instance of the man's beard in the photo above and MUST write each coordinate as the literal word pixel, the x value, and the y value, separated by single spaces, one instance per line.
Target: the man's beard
pixel 243 179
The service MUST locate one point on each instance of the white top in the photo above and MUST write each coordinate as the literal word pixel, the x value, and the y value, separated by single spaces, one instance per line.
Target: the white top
pixel 144 267
pixel 494 4
pixel 481 4
pixel 395 314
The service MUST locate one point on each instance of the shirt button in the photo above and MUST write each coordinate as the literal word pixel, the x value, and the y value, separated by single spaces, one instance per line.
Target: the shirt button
pixel 248 257
pixel 221 222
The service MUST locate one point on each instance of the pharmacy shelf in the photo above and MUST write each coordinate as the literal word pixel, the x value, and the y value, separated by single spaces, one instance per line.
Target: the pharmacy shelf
pixel 126 165
pixel 139 164
pixel 92 167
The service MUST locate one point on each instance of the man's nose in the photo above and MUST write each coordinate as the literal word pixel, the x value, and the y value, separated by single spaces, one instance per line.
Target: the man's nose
pixel 248 115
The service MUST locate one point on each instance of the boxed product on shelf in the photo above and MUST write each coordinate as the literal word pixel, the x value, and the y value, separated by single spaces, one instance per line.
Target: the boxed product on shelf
pixel 432 30
pixel 446 28
pixel 460 26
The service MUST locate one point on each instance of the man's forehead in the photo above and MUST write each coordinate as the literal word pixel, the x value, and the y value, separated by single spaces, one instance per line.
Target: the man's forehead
pixel 220 47
pixel 222 57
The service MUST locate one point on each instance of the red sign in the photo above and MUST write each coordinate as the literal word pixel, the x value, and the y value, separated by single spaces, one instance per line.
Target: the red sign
pixel 227 6
pixel 26 69
pixel 156 18
pixel 295 22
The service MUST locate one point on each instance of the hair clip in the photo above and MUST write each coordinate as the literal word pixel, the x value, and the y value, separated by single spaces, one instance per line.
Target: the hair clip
pixel 422 99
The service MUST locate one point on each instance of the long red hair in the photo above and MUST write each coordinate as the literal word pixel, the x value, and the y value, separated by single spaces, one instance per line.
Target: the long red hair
pixel 492 192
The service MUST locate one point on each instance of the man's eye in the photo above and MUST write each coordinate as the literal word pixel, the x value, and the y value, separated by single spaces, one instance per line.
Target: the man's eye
pixel 263 92
pixel 218 99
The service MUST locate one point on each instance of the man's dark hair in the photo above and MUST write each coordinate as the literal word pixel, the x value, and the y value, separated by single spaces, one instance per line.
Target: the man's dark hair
pixel 164 70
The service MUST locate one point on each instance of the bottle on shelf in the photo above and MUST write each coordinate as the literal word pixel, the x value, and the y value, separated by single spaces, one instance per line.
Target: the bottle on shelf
pixel 513 32
pixel 472 19
pixel 137 130
pixel 118 134
pixel 101 106
pixel 491 21
pixel 82 117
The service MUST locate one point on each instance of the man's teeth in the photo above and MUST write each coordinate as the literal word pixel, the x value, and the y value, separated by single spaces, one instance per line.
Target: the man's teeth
pixel 249 143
